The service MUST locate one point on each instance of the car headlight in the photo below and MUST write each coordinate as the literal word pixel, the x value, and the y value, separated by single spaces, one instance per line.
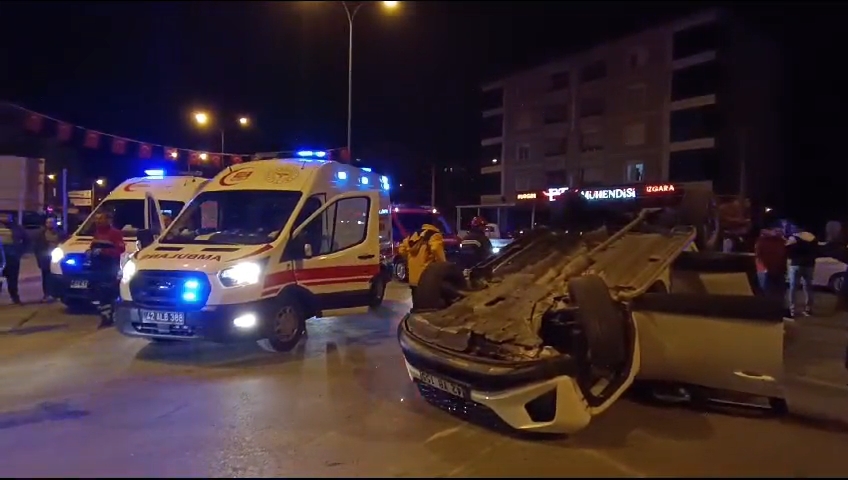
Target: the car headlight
pixel 57 255
pixel 496 249
pixel 128 271
pixel 246 273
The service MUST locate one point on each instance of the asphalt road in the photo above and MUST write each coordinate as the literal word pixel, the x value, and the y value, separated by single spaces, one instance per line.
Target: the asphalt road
pixel 80 402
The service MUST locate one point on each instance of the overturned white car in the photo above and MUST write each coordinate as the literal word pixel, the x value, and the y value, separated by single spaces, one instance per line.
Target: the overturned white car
pixel 550 332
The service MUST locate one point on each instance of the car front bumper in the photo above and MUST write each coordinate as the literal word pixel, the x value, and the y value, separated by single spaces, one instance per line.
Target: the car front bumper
pixel 79 287
pixel 213 323
pixel 540 396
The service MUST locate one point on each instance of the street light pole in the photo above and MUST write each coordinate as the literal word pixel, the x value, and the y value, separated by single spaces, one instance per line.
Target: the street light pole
pixel 351 14
pixel 222 141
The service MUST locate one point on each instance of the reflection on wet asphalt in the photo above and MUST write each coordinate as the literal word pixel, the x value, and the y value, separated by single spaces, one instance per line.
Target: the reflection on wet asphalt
pixel 75 401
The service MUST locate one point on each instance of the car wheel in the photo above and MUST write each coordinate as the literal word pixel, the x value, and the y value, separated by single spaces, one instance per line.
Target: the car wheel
pixel 378 292
pixel 288 326
pixel 602 320
pixel 439 286
pixel 401 271
pixel 836 282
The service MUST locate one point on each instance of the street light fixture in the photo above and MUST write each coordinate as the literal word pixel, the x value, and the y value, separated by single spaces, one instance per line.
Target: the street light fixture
pixel 100 182
pixel 51 177
pixel 351 14
pixel 203 119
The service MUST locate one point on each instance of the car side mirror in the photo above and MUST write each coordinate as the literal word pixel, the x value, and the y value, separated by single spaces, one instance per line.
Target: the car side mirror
pixel 307 250
pixel 145 238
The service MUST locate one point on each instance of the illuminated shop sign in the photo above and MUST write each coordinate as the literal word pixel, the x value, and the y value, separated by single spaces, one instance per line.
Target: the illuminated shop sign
pixel 614 193
pixel 609 193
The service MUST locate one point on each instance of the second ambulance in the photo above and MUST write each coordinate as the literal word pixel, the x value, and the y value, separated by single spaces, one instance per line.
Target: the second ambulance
pixel 263 247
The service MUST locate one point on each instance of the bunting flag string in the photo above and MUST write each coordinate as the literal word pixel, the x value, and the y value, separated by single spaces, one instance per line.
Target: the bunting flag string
pixel 37 123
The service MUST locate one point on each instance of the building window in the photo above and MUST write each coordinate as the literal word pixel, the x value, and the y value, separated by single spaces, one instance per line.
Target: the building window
pixel 634 134
pixel 492 127
pixel 637 97
pixel 560 81
pixel 555 147
pixel 693 165
pixel 591 142
pixel 556 113
pixel 556 178
pixel 637 58
pixel 491 155
pixel 694 123
pixel 490 183
pixel 695 81
pixel 576 177
pixel 694 40
pixel 524 120
pixel 522 152
pixel 592 106
pixel 635 172
pixel 594 71
pixel 492 99
pixel 522 182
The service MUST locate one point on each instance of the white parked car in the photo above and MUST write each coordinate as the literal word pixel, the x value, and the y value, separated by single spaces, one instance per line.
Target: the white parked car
pixel 829 273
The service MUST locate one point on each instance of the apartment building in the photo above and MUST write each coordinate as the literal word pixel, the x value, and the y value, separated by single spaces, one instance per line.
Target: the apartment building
pixel 689 101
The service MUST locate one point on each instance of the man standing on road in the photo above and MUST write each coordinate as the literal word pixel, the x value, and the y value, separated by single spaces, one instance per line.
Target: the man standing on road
pixel 770 253
pixel 419 250
pixel 802 248
pixel 105 253
pixel 47 238
pixel 14 241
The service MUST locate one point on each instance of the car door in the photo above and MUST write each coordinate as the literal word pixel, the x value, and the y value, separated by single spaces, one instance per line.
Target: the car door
pixel 343 241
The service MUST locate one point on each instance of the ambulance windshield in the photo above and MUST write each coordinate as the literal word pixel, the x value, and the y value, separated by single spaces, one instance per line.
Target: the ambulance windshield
pixel 233 217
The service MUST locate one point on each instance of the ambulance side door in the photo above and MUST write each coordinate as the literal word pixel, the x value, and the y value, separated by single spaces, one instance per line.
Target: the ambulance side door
pixel 336 252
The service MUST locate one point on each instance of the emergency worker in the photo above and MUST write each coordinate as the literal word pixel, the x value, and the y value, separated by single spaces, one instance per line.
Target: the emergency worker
pixel 477 241
pixel 421 249
pixel 802 248
pixel 105 257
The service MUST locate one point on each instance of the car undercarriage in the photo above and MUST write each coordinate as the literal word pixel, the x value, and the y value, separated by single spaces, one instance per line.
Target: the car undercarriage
pixel 572 317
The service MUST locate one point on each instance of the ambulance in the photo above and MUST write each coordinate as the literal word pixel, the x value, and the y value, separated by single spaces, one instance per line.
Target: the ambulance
pixel 263 247
pixel 131 211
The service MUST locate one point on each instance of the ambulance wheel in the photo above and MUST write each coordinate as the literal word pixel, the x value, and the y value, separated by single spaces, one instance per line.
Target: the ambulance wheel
pixel 401 271
pixel 377 293
pixel 288 325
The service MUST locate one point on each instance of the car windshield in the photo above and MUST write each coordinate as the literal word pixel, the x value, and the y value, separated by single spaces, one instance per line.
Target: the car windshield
pixel 127 216
pixel 413 221
pixel 233 217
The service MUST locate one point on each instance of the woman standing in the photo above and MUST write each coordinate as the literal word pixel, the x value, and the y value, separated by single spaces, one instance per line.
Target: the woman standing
pixel 47 238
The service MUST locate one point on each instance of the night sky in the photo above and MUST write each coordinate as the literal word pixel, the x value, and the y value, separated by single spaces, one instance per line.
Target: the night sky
pixel 140 69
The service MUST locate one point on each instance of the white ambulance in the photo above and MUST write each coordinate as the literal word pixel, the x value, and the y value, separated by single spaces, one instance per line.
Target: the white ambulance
pixel 131 212
pixel 263 247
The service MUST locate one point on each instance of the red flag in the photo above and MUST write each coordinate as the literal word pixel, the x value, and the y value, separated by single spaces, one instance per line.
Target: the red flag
pixel 119 146
pixel 144 150
pixel 64 131
pixel 194 158
pixel 92 139
pixel 171 154
pixel 235 160
pixel 34 122
pixel 215 159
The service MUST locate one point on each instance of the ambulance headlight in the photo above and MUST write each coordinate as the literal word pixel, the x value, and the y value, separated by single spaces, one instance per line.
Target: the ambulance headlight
pixel 246 273
pixel 57 255
pixel 128 271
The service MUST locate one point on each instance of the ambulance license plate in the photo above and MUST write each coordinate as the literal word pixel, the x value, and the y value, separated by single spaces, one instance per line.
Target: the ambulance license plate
pixel 453 388
pixel 157 316
pixel 78 284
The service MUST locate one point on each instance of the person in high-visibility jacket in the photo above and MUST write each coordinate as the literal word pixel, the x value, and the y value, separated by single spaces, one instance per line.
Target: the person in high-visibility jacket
pixel 421 249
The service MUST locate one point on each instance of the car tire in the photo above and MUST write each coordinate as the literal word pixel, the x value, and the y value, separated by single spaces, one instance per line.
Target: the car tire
pixel 287 326
pixel 378 292
pixel 835 282
pixel 438 285
pixel 602 319
pixel 401 271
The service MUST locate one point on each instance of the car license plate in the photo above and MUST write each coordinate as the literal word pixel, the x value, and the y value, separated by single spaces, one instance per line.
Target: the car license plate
pixel 156 316
pixel 444 385
pixel 79 283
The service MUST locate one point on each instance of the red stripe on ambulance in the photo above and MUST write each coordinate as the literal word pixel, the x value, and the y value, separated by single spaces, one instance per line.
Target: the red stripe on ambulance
pixel 323 275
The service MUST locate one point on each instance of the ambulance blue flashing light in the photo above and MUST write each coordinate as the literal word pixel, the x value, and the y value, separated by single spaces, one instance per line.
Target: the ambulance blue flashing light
pixel 311 154
pixel 366 169
pixel 384 182
pixel 341 175
pixel 155 173
pixel 363 180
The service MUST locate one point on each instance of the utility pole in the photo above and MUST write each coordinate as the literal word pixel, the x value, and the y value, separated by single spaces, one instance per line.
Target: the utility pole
pixel 433 185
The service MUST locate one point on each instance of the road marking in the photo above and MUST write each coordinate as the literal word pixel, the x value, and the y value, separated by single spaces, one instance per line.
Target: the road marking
pixel 610 460
pixel 444 433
